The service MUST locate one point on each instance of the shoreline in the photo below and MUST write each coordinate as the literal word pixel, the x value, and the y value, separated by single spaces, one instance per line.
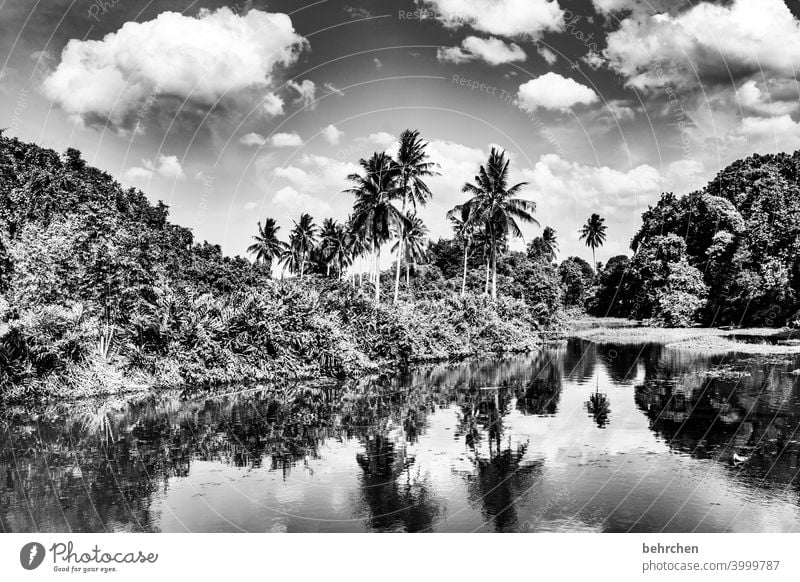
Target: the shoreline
pixel 751 341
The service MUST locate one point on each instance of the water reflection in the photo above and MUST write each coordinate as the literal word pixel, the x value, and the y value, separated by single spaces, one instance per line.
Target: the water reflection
pixel 516 444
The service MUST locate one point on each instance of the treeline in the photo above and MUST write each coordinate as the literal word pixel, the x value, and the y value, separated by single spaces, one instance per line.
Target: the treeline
pixel 100 293
pixel 728 254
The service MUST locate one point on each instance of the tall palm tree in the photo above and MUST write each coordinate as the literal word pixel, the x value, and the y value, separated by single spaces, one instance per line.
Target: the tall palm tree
pixel 333 246
pixel 594 233
pixel 267 247
pixel 414 243
pixel 411 167
pixel 357 247
pixel 495 204
pixel 465 228
pixel 374 214
pixel 302 241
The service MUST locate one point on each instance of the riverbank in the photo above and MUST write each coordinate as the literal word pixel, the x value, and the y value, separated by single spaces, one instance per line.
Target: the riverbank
pixel 754 341
pixel 288 332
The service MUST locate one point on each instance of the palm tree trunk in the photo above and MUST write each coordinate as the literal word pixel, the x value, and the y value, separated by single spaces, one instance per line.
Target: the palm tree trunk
pixel 397 270
pixel 377 274
pixel 594 262
pixel 494 272
pixel 464 278
pixel 486 286
pixel 408 276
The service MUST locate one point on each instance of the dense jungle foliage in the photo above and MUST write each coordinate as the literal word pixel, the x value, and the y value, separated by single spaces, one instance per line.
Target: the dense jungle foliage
pixel 100 293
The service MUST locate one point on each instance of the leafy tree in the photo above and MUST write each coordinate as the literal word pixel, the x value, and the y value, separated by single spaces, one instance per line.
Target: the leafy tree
pixel 544 247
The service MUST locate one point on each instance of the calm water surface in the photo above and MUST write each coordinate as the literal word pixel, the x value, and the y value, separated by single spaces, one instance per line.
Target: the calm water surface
pixel 580 437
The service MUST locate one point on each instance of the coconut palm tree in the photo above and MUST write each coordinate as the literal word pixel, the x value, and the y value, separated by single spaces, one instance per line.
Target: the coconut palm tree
pixel 496 205
pixel 414 243
pixel 357 248
pixel 594 233
pixel 267 247
pixel 302 241
pixel 333 246
pixel 374 214
pixel 550 243
pixel 465 228
pixel 411 167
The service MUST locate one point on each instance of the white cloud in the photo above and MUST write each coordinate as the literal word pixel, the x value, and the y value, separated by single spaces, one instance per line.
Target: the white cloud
pixel 250 206
pixel 764 134
pixel 509 18
pixel 286 140
pixel 253 139
pixel 200 59
pixel 548 55
pixel 378 63
pixel 332 134
pixel 382 139
pixel 492 50
pixel 317 175
pixel 714 42
pixel 306 92
pixel 766 102
pixel 165 166
pixel 552 91
pixel 295 203
pixel 272 105
pixel 331 88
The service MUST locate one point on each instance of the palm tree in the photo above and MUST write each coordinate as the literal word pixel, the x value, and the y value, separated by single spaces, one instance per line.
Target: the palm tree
pixel 267 247
pixel 357 248
pixel 416 237
pixel 302 241
pixel 465 228
pixel 495 204
pixel 411 167
pixel 594 233
pixel 374 214
pixel 550 243
pixel 333 246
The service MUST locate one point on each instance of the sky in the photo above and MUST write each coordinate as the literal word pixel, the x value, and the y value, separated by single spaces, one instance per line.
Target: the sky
pixel 234 112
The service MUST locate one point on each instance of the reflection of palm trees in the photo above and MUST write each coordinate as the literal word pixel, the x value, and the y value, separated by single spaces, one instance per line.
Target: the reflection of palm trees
pixel 599 407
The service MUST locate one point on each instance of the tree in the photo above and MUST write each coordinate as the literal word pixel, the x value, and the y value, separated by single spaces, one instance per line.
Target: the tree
pixel 495 204
pixel 463 224
pixel 594 233
pixel 267 247
pixel 374 214
pixel 411 167
pixel 301 242
pixel 334 246
pixel 544 247
pixel 416 238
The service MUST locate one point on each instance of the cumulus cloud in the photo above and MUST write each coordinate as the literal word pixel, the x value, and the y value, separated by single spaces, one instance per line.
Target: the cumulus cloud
pixel 509 18
pixel 332 134
pixel 200 59
pixel 552 91
pixel 272 105
pixel 491 50
pixel 253 139
pixel 778 99
pixel 716 43
pixel 382 139
pixel 306 92
pixel 295 203
pixel 165 166
pixel 285 140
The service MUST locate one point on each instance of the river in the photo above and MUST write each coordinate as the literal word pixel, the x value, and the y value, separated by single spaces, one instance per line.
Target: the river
pixel 578 437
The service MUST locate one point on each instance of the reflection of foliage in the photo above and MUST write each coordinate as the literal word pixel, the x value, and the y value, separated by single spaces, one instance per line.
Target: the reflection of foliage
pixel 599 407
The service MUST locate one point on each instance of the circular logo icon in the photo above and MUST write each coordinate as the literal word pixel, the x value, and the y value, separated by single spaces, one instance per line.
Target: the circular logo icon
pixel 31 555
